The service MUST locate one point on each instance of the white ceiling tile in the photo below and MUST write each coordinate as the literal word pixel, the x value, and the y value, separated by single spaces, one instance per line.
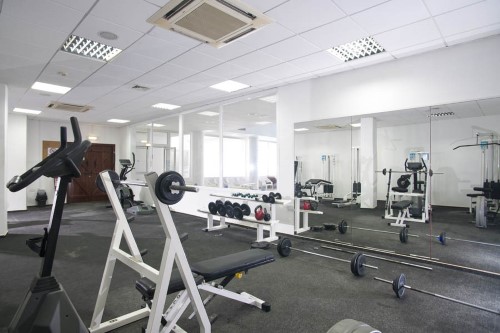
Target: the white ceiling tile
pixel 119 72
pixel 264 6
pixel 136 61
pixel 486 31
pixel 255 79
pixel 468 18
pixel 157 48
pixel 166 93
pixel 302 15
pixel 437 7
pixel 464 109
pixel 269 34
pixel 44 13
pixel 334 69
pixel 50 76
pixel 195 60
pixel 490 106
pixel 351 7
pixel 174 72
pixel 335 33
pixel 419 48
pixel 316 61
pixel 204 79
pixel 415 33
pixel 228 52
pixel 371 60
pixel 227 71
pixel 92 88
pixel 128 13
pixel 35 99
pixel 256 60
pixel 19 29
pixel 173 37
pixel 282 71
pixel 76 63
pixel 18 48
pixel 291 48
pixel 92 25
pixel 81 5
pixel 154 80
pixel 390 15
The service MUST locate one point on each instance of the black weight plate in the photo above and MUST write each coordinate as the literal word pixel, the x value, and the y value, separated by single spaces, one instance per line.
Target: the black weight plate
pixel 360 264
pixel 238 213
pixel 329 226
pixel 398 285
pixel 221 210
pixel 314 205
pixel 316 228
pixel 236 204
pixel 403 235
pixel 343 226
pixel 271 194
pixel 212 208
pixel 260 245
pixel 353 263
pixel 298 194
pixel 227 202
pixel 284 247
pixel 162 187
pixel 265 198
pixel 278 196
pixel 229 211
pixel 218 202
pixel 115 179
pixel 245 209
pixel 271 200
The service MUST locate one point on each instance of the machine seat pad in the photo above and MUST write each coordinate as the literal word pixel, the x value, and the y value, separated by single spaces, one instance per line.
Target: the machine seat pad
pixel 216 268
pixel 403 204
pixel 474 195
pixel 483 189
pixel 147 287
pixel 400 189
pixel 315 181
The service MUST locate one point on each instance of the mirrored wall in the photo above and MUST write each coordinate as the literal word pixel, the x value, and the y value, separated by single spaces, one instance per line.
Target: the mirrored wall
pixel 380 168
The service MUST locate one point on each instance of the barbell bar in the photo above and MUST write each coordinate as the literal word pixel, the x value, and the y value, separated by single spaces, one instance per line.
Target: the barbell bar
pixel 399 286
pixel 442 237
pixel 379 258
pixel 358 261
pixel 384 171
pixel 342 227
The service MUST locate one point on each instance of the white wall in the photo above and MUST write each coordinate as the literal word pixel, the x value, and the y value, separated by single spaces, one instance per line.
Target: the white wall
pixel 458 73
pixel 4 103
pixel 40 131
pixel 16 158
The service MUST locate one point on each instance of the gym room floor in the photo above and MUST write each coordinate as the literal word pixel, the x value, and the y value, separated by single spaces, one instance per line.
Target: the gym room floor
pixel 307 293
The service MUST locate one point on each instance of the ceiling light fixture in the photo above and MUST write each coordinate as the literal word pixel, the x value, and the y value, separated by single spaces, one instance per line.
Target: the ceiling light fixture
pixel 229 86
pixel 358 49
pixel 301 129
pixel 441 114
pixel 108 35
pixel 92 138
pixel 269 99
pixel 165 106
pixel 263 122
pixel 28 111
pixel 155 125
pixel 209 113
pixel 356 125
pixel 88 48
pixel 50 88
pixel 118 121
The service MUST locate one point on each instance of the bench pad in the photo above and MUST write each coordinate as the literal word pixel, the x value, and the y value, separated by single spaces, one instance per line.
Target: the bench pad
pixel 216 268
pixel 147 287
pixel 403 204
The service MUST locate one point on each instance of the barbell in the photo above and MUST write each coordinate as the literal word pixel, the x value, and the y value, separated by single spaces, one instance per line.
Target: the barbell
pixel 358 261
pixel 169 187
pixel 442 238
pixel 342 227
pixel 399 286
pixel 384 171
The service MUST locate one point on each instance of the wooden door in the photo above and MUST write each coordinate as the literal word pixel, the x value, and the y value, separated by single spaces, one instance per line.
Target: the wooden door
pixel 99 157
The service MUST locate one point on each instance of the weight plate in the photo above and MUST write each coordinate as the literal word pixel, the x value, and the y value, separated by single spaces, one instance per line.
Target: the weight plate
pixel 115 179
pixel 212 208
pixel 221 210
pixel 360 264
pixel 218 202
pixel 278 196
pixel 284 247
pixel 353 263
pixel 162 187
pixel 298 194
pixel 260 245
pixel 442 238
pixel 314 205
pixel 316 228
pixel 329 226
pixel 236 204
pixel 229 211
pixel 227 202
pixel 265 198
pixel 343 226
pixel 271 200
pixel 398 285
pixel 238 213
pixel 245 209
pixel 403 235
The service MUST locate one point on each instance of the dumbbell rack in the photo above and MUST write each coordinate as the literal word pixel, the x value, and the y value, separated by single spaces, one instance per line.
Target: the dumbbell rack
pixel 305 220
pixel 248 221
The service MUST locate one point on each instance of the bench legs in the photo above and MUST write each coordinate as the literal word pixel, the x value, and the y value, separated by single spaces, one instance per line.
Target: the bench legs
pixel 402 216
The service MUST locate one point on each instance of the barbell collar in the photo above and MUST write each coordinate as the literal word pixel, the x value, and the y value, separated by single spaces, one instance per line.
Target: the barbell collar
pixel 184 188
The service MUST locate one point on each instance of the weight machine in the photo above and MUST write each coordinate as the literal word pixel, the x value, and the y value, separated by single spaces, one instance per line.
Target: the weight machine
pixel 351 197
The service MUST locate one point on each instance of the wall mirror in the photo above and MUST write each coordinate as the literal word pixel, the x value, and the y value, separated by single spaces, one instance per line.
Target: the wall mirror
pixel 457 141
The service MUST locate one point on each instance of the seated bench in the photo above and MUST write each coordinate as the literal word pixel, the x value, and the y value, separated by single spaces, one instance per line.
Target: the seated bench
pixel 404 212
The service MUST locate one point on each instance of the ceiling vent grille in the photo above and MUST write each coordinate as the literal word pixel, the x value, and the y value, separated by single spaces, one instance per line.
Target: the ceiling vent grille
pixel 216 22
pixel 68 107
pixel 329 127
pixel 139 87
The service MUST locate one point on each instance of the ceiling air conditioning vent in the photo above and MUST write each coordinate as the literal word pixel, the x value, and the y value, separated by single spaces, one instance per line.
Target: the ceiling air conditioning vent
pixel 139 87
pixel 329 127
pixel 216 22
pixel 68 107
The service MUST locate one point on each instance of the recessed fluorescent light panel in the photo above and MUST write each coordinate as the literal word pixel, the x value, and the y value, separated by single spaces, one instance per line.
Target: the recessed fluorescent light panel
pixel 358 49
pixel 269 99
pixel 301 129
pixel 356 125
pixel 441 114
pixel 118 121
pixel 155 125
pixel 209 113
pixel 89 48
pixel 28 111
pixel 50 88
pixel 165 106
pixel 263 122
pixel 230 86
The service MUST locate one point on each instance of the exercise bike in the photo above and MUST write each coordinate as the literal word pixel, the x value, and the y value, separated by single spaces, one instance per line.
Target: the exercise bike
pixel 46 307
pixel 125 193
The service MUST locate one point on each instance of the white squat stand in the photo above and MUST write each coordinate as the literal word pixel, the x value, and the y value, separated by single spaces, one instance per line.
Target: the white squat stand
pixel 305 214
pixel 173 251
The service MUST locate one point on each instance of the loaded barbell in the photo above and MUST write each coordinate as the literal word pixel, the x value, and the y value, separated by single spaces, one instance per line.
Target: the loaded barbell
pixel 399 286
pixel 358 261
pixel 442 238
pixel 342 227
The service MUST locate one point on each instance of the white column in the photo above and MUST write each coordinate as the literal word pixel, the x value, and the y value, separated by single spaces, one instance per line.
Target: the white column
pixel 180 154
pixel 221 146
pixel 4 105
pixel 253 158
pixel 368 163
pixel 197 157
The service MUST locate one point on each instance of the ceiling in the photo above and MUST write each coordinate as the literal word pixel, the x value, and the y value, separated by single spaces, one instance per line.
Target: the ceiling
pixel 468 109
pixel 179 70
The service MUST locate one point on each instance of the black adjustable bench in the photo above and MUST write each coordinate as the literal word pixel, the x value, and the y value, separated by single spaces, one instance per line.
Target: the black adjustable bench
pixel 400 205
pixel 209 270
pixel 404 212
